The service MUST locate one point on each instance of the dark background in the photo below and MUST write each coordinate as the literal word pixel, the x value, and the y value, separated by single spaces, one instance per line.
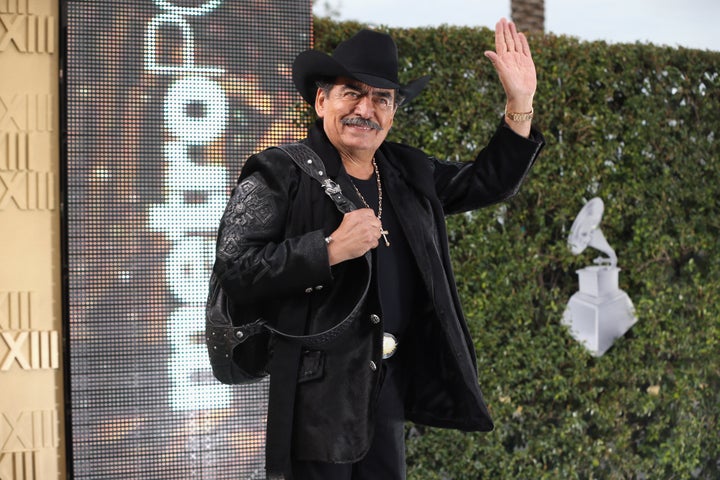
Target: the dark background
pixel 142 402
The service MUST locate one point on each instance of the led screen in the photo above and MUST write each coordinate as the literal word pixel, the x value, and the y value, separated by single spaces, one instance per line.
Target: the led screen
pixel 164 101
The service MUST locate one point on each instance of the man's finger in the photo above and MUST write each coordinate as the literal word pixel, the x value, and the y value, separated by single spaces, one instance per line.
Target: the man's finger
pixel 500 45
pixel 509 34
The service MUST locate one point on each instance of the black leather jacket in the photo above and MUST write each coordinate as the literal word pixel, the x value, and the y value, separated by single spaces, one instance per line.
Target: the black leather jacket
pixel 272 260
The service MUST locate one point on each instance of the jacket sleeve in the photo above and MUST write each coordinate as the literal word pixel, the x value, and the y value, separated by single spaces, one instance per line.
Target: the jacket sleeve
pixel 254 261
pixel 494 176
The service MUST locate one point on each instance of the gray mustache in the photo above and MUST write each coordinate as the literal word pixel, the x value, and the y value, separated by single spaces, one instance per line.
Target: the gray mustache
pixel 361 122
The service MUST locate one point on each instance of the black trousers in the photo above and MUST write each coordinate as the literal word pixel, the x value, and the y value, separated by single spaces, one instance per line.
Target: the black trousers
pixel 386 458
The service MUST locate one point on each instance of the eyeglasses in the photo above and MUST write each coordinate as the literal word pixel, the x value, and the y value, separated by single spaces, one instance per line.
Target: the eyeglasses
pixel 382 99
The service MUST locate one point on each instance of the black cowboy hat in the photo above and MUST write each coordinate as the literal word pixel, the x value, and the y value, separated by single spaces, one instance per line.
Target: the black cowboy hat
pixel 369 57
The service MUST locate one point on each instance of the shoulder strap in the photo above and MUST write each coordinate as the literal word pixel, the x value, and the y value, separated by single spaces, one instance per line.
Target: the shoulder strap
pixel 310 162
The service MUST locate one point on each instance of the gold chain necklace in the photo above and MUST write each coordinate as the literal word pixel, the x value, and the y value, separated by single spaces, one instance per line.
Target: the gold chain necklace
pixel 383 232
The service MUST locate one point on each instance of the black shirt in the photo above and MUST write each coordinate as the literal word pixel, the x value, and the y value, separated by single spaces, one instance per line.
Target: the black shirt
pixel 394 268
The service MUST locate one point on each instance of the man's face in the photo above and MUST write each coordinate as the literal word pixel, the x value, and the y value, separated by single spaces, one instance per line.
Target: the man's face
pixel 356 116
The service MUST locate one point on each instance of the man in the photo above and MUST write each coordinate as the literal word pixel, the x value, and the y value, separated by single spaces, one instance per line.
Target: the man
pixel 286 253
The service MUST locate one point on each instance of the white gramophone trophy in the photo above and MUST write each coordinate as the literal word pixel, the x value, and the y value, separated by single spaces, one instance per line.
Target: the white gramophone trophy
pixel 600 312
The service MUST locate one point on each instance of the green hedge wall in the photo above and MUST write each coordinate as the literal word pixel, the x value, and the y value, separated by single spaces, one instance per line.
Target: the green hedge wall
pixel 634 124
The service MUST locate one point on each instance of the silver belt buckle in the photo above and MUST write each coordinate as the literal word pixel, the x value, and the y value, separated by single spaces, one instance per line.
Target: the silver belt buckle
pixel 389 345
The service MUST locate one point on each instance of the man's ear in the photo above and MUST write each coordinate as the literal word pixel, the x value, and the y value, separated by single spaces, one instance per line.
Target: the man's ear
pixel 320 102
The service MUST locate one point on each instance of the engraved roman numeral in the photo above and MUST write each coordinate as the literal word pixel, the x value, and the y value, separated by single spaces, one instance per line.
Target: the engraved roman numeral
pixel 31 350
pixel 27 33
pixel 16 310
pixel 27 190
pixel 28 430
pixel 27 112
pixel 20 466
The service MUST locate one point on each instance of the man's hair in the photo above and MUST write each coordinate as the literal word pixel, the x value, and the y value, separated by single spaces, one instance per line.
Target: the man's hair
pixel 327 84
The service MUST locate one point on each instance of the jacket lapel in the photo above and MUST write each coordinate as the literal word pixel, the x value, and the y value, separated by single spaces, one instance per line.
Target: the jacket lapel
pixel 415 214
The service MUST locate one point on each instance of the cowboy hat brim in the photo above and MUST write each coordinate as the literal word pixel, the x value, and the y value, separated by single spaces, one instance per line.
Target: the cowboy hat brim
pixel 311 66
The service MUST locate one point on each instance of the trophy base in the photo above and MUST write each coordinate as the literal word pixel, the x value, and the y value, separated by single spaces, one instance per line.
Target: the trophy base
pixel 600 312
